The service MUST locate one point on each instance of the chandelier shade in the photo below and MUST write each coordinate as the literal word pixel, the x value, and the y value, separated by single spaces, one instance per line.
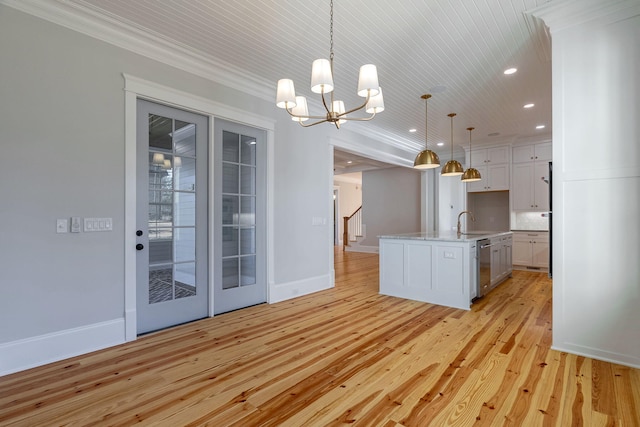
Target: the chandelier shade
pixel 322 83
pixel 426 159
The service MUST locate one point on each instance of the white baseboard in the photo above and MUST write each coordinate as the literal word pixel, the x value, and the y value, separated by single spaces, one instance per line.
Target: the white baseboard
pixel 360 248
pixel 28 353
pixel 284 291
pixel 594 353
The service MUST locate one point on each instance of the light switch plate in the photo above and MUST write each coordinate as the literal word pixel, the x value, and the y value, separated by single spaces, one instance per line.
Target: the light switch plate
pixel 75 224
pixel 62 225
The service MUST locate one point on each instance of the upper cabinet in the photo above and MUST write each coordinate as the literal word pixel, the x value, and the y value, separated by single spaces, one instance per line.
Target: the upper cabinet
pixel 494 168
pixel 530 153
pixel 530 175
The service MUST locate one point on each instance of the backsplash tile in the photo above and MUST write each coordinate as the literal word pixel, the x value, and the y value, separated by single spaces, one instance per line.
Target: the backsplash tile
pixel 530 221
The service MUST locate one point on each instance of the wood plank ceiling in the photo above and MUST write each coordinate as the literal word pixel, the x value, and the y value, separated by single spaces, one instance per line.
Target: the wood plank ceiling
pixel 455 49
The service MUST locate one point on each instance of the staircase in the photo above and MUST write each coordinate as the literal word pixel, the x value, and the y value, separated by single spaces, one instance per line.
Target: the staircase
pixel 352 228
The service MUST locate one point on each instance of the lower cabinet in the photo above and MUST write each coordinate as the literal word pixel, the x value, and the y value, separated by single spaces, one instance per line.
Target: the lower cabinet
pixel 531 249
pixel 501 259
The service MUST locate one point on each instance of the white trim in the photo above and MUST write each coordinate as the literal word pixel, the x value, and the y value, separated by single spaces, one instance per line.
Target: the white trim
pixel 362 248
pixel 594 353
pixel 135 88
pixel 297 288
pixel 27 353
pixel 83 19
pixel 373 153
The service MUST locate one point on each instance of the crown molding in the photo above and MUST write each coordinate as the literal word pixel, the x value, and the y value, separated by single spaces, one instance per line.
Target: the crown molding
pixel 110 30
pixel 561 15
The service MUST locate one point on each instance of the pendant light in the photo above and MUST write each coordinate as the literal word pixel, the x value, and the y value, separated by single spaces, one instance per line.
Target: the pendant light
pixel 453 167
pixel 471 174
pixel 426 159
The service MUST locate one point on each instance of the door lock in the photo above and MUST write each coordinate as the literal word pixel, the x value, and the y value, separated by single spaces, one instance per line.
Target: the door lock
pixel 139 246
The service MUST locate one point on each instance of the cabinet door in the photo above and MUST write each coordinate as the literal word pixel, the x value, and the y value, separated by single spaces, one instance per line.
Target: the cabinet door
pixel 522 191
pixel 498 177
pixel 521 253
pixel 477 186
pixel 540 187
pixel 540 253
pixel 498 155
pixel 523 153
pixel 543 152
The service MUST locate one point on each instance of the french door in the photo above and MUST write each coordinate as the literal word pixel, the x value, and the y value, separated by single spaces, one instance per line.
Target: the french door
pixel 240 242
pixel 172 216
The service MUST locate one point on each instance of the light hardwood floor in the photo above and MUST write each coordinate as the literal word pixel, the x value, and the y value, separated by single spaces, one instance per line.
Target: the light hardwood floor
pixel 345 356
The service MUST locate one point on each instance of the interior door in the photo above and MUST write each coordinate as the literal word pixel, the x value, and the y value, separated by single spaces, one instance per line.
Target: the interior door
pixel 172 262
pixel 240 206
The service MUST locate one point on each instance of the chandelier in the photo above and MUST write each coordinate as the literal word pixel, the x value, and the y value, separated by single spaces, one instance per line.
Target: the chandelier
pixel 322 83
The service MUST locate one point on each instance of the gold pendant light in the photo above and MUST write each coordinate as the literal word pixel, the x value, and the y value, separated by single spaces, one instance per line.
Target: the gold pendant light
pixel 453 167
pixel 426 159
pixel 471 174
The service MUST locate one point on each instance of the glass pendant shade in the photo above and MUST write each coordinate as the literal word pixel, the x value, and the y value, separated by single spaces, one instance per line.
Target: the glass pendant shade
pixel 285 94
pixel 368 80
pixel 300 111
pixel 452 167
pixel 321 76
pixel 375 103
pixel 470 175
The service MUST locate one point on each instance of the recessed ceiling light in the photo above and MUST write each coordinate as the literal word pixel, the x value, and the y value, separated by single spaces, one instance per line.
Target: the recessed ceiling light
pixel 349 162
pixel 510 70
pixel 440 144
pixel 528 105
pixel 412 130
pixel 540 127
pixel 494 134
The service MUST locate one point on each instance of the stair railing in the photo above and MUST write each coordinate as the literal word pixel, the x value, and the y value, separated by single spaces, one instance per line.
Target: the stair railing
pixel 352 226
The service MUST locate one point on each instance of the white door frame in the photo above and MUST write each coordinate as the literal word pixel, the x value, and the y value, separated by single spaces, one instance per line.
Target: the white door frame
pixel 135 88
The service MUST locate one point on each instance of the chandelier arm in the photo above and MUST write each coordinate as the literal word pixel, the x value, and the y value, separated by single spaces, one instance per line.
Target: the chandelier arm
pixel 306 117
pixel 324 102
pixel 364 104
pixel 312 124
pixel 360 119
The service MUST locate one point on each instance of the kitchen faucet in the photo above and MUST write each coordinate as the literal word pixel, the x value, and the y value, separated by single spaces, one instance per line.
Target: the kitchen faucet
pixel 459 215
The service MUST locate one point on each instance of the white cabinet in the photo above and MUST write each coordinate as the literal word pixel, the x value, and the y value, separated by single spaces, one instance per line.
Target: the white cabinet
pixel 531 249
pixel 529 153
pixel 530 190
pixel 501 259
pixel 493 165
pixel 530 172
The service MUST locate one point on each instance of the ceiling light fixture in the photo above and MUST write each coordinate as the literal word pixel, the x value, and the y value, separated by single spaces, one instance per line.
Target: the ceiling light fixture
pixel 530 105
pixel 453 167
pixel 426 159
pixel 510 71
pixel 322 83
pixel 540 127
pixel 471 174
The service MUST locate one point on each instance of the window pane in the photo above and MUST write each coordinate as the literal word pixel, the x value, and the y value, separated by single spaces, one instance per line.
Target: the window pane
pixel 185 208
pixel 247 241
pixel 247 270
pixel 248 150
pixel 160 233
pixel 160 284
pixel 230 178
pixel 230 147
pixel 184 138
pixel 185 280
pixel 230 210
pixel 185 244
pixel 247 210
pixel 230 277
pixel 160 251
pixel 184 173
pixel 160 129
pixel 229 241
pixel 247 180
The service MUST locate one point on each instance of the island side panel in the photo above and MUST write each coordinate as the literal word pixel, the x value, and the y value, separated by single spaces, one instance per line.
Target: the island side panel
pixel 392 268
pixel 451 286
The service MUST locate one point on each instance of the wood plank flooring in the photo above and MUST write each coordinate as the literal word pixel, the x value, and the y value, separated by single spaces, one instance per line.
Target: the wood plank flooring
pixel 345 356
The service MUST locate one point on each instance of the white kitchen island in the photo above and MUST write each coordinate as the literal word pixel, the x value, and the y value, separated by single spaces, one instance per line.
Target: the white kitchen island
pixel 439 268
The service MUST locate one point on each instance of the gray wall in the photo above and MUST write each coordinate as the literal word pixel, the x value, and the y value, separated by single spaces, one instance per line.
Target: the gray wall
pixel 390 202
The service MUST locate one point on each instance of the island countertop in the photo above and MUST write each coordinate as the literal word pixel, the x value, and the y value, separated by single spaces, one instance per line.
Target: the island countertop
pixel 447 236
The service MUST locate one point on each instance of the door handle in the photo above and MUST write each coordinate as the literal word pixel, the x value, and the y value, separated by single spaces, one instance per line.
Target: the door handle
pixel 139 233
pixel 139 246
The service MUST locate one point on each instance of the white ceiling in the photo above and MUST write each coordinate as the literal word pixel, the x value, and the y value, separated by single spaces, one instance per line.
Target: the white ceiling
pixel 455 49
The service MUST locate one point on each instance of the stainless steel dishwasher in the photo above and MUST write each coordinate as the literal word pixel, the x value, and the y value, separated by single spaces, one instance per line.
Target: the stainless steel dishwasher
pixel 484 267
